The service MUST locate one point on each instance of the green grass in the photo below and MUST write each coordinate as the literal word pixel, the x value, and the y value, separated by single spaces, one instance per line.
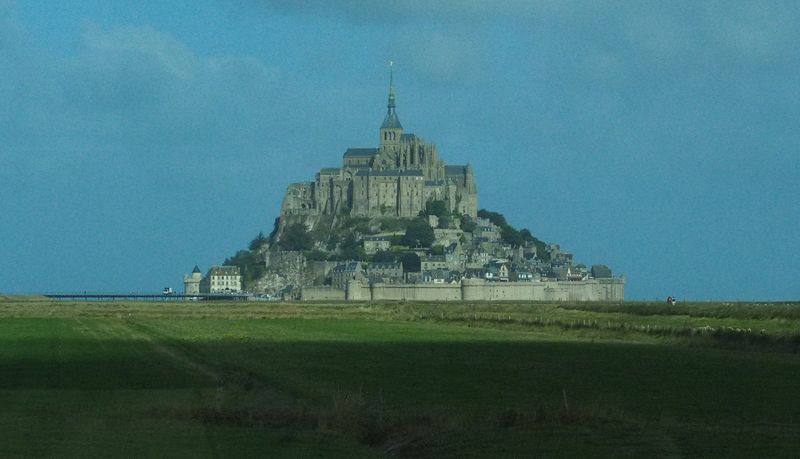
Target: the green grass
pixel 408 380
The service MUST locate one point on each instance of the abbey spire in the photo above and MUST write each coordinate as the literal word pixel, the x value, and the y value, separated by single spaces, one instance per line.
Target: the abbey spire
pixel 391 129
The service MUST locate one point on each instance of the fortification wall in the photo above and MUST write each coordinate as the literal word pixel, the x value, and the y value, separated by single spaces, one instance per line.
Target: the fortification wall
pixel 480 290
pixel 416 292
pixel 322 294
pixel 357 291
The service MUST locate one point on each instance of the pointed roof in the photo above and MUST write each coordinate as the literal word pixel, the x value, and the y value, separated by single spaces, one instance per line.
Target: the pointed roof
pixel 196 270
pixel 391 121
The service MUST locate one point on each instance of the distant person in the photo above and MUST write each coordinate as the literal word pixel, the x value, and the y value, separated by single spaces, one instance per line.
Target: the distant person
pixel 670 300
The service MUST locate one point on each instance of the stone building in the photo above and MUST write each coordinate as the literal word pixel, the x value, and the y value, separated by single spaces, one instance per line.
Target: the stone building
pixel 191 282
pixel 373 244
pixel 394 179
pixel 387 272
pixel 222 279
pixel 344 272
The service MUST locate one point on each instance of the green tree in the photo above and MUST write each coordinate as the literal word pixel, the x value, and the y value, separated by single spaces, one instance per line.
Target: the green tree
pixel 494 217
pixel 511 236
pixel 251 266
pixel 296 237
pixel 350 249
pixel 436 207
pixel 418 234
pixel 411 262
pixel 258 242
pixel 468 225
pixel 383 256
pixel 316 255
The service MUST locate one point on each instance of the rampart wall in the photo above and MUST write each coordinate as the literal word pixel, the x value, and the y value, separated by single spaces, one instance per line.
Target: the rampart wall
pixel 416 292
pixel 478 290
pixel 322 294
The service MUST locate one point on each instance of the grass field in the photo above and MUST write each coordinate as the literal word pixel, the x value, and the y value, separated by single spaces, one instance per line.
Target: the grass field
pixel 409 380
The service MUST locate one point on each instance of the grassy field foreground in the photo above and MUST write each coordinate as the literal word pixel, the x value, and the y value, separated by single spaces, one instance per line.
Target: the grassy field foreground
pixel 411 380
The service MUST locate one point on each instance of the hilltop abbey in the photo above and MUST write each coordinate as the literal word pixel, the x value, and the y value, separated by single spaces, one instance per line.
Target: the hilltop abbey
pixel 394 222
pixel 395 179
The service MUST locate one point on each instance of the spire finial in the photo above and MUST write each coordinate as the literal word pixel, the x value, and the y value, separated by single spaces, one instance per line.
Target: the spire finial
pixel 391 121
pixel 391 85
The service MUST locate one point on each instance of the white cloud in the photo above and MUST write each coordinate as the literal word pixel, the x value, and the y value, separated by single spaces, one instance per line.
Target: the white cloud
pixel 127 88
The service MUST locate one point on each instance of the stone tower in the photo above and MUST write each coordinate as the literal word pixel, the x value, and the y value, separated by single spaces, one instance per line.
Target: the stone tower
pixel 191 282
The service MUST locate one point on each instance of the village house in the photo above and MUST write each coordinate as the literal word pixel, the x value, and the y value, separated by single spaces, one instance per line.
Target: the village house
pixel 374 244
pixel 343 272
pixel 385 272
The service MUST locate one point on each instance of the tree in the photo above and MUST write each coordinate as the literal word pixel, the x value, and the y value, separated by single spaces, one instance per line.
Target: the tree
pixel 494 217
pixel 350 249
pixel 436 207
pixel 316 255
pixel 250 266
pixel 511 236
pixel 468 225
pixel 437 250
pixel 258 242
pixel 411 262
pixel 296 237
pixel 601 272
pixel 444 222
pixel 419 234
pixel 383 256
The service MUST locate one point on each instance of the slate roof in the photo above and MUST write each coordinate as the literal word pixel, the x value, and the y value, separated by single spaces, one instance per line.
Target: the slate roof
pixel 455 170
pixel 347 267
pixel 389 173
pixel 223 271
pixel 196 270
pixel 391 121
pixel 329 170
pixel 360 152
pixel 384 265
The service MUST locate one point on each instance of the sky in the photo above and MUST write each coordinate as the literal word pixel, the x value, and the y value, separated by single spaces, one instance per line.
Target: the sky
pixel 138 139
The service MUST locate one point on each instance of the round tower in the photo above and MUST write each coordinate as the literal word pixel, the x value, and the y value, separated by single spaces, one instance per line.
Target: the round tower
pixel 191 282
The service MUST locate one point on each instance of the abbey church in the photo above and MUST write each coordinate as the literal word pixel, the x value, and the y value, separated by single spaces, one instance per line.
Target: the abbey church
pixel 396 179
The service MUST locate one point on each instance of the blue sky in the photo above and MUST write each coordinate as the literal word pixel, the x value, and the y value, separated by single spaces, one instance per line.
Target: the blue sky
pixel 660 138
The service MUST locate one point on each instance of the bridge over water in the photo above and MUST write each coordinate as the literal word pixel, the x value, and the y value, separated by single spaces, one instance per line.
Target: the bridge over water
pixel 150 297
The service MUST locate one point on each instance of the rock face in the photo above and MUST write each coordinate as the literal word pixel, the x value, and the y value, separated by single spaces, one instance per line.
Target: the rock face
pixel 284 269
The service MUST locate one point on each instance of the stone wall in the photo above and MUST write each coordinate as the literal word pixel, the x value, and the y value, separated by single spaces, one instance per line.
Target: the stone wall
pixel 322 294
pixel 480 290
pixel 416 292
pixel 357 291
